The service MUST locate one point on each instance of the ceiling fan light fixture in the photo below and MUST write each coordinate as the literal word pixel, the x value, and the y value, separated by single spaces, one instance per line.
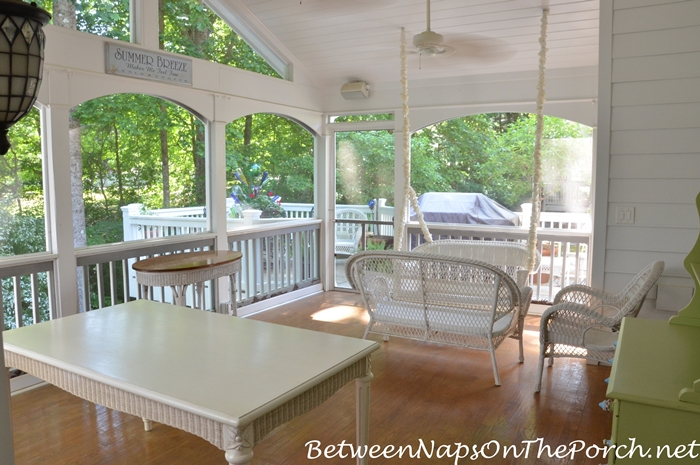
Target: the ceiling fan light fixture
pixel 430 43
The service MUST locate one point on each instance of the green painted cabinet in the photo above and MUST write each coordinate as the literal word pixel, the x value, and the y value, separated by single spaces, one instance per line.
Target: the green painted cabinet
pixel 654 362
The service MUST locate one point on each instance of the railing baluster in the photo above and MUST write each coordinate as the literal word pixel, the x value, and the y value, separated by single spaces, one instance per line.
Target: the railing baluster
pixel 18 301
pixel 125 279
pixel 113 283
pixel 86 288
pixel 100 286
pixel 36 311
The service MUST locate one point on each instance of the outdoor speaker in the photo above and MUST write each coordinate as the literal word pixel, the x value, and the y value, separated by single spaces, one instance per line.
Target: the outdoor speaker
pixel 354 90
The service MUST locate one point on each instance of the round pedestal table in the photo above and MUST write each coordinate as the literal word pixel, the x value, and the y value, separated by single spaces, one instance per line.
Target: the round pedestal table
pixel 180 270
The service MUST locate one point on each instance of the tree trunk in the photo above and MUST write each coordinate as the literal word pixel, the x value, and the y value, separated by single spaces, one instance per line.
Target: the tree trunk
pixel 64 16
pixel 248 131
pixel 76 189
pixel 164 154
pixel 118 166
pixel 165 158
pixel 200 178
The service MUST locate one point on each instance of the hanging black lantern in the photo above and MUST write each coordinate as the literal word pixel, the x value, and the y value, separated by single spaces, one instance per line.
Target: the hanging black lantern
pixel 21 61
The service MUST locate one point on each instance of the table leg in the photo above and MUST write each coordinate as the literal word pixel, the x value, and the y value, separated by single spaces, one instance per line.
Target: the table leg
pixel 180 294
pixel 239 444
pixel 232 294
pixel 362 419
pixel 199 288
pixel 144 292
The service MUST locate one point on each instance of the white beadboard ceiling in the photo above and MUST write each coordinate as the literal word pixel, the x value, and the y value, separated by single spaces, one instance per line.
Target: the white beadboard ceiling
pixel 337 41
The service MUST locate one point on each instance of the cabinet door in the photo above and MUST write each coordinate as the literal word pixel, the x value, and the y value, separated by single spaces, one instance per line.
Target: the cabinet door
pixel 652 435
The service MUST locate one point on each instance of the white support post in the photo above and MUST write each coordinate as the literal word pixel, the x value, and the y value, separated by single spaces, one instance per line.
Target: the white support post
pixel 325 203
pixel 59 210
pixel 216 194
pixel 400 200
pixel 144 13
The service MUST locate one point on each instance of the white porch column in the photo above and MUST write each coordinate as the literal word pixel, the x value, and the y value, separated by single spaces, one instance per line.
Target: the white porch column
pixel 59 211
pixel 324 175
pixel 216 191
pixel 400 201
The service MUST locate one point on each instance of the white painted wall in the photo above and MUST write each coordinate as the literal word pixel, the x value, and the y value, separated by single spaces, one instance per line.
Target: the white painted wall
pixel 649 140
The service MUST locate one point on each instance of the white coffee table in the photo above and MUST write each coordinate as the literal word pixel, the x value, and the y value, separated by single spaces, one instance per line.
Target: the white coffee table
pixel 228 380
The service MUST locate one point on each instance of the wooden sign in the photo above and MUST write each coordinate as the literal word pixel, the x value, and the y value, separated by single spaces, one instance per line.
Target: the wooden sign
pixel 134 62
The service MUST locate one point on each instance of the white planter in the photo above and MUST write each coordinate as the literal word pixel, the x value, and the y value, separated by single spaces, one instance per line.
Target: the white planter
pixel 251 216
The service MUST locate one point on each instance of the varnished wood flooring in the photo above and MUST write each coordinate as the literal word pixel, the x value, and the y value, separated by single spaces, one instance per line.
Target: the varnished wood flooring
pixel 440 395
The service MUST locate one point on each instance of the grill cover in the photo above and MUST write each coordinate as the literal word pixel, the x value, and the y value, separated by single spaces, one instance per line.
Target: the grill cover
pixel 458 207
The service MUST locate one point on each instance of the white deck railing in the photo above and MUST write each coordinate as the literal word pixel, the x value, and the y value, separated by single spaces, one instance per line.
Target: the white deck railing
pixel 565 252
pixel 279 255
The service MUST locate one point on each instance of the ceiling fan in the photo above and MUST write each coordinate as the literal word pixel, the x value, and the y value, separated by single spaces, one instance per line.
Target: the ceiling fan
pixel 459 47
pixel 429 43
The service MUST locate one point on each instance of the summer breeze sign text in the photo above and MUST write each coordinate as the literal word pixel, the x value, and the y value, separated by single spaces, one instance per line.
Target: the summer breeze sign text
pixel 147 65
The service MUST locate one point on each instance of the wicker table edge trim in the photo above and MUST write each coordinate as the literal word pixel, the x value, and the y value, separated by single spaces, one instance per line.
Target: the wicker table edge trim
pixel 210 430
pixel 181 277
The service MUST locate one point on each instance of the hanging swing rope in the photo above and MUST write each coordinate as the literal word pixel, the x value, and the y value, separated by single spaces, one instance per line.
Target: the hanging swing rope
pixel 409 193
pixel 537 161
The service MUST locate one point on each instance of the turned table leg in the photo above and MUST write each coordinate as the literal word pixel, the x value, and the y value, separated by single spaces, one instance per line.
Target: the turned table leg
pixel 239 444
pixel 362 419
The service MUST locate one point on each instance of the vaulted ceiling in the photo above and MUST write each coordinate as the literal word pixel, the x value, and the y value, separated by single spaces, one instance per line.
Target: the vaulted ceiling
pixel 337 41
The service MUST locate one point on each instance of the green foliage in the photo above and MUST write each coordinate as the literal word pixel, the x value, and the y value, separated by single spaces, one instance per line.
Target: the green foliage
pixel 104 18
pixel 21 234
pixel 279 146
pixel 364 167
pixel 121 146
pixel 192 29
pixel 489 154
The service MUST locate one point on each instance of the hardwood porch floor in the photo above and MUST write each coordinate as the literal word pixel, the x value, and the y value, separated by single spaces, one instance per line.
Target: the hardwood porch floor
pixel 420 391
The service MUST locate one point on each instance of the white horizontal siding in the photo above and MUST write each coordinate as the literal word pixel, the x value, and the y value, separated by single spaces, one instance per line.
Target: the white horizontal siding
pixel 657 16
pixel 660 42
pixel 636 239
pixel 656 165
pixel 661 191
pixel 656 92
pixel 628 265
pixel 686 140
pixel 662 116
pixel 654 151
pixel 623 4
pixel 643 68
pixel 658 215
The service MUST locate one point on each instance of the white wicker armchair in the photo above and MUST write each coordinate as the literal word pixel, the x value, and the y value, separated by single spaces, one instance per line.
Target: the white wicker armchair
pixel 348 235
pixel 583 322
pixel 437 298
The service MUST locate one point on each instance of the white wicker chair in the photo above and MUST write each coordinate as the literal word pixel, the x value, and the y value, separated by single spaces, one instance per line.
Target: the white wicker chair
pixel 348 235
pixel 583 322
pixel 436 298
pixel 511 257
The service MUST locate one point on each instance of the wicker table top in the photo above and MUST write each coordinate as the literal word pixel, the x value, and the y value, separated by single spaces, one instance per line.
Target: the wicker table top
pixel 186 261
